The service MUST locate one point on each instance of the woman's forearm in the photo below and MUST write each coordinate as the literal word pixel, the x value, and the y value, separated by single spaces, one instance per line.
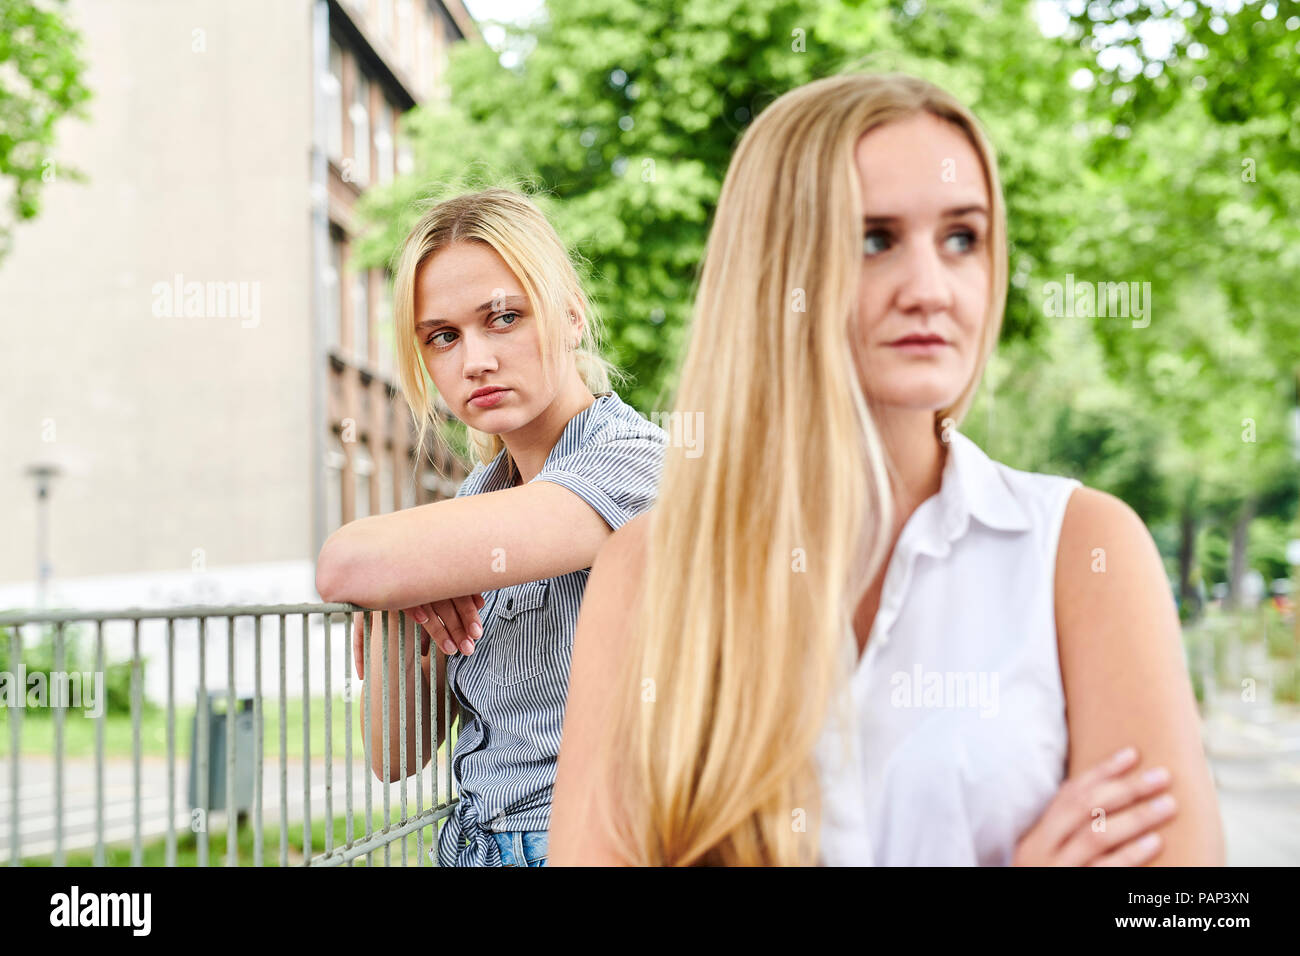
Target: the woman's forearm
pixel 401 673
pixel 461 546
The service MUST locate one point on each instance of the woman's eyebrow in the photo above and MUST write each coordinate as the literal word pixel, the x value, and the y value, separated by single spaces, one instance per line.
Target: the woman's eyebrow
pixel 510 301
pixel 952 213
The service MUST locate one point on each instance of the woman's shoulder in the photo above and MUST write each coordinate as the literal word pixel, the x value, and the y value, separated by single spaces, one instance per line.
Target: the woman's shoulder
pixel 614 587
pixel 612 419
pixel 1109 574
pixel 1088 525
pixel 1100 531
pixel 622 557
pixel 1090 528
pixel 1028 486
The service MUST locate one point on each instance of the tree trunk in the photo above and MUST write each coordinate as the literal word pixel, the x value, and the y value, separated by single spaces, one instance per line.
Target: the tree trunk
pixel 1240 542
pixel 1187 597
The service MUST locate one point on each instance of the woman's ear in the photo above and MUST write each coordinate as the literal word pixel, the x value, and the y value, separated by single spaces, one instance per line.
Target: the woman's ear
pixel 576 324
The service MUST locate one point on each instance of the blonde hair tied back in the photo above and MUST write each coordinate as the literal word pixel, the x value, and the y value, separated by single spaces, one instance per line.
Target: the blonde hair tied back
pixel 510 223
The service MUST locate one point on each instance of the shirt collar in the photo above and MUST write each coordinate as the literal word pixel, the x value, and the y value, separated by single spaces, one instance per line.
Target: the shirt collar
pixel 982 491
pixel 972 487
pixel 498 473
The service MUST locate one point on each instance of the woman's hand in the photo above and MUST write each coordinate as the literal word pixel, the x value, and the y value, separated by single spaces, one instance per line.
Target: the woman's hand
pixel 452 624
pixel 1101 818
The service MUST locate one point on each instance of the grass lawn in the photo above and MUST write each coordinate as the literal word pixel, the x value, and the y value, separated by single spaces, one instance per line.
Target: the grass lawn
pixel 155 852
pixel 79 731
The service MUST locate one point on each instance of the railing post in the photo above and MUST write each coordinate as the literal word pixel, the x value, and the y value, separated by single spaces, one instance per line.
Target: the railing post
pixel 66 836
pixel 16 738
pixel 59 705
pixel 232 841
pixel 258 731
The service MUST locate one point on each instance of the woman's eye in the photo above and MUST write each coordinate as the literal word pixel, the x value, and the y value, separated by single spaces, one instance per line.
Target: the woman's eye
pixel 503 315
pixel 434 339
pixel 967 235
pixel 875 242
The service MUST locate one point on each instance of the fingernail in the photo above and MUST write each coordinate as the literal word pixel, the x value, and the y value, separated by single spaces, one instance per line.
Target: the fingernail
pixel 467 647
pixel 1156 776
pixel 1149 842
pixel 477 629
pixel 1164 804
pixel 449 647
pixel 1125 755
pixel 420 616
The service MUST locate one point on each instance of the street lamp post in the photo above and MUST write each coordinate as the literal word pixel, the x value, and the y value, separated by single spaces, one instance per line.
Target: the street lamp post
pixel 44 475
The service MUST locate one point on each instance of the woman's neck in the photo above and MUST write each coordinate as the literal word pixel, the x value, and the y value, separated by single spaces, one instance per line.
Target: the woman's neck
pixel 530 444
pixel 917 456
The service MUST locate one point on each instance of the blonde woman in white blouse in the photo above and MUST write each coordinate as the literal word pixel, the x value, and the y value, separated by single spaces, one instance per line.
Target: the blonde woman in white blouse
pixel 844 634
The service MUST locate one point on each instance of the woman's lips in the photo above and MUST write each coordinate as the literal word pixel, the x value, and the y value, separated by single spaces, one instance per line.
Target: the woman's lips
pixel 488 399
pixel 919 346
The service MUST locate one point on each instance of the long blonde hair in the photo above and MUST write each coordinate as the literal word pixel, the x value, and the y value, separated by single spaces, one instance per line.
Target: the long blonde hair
pixel 511 224
pixel 763 546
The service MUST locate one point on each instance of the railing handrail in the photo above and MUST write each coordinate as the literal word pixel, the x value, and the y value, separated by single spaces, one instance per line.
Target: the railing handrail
pixel 203 755
pixel 183 611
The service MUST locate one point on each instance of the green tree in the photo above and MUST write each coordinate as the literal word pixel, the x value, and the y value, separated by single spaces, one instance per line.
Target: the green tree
pixel 40 82
pixel 625 116
pixel 1200 140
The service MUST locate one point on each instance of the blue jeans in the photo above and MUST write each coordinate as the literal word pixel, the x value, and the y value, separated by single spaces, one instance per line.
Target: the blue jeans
pixel 522 848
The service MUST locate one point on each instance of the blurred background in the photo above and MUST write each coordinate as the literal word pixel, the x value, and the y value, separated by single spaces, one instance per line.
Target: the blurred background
pixel 199 200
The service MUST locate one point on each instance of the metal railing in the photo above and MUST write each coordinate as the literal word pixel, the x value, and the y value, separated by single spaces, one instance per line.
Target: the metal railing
pixel 334 619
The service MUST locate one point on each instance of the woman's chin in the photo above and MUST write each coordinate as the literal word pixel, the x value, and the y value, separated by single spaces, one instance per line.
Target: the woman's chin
pixel 496 421
pixel 914 399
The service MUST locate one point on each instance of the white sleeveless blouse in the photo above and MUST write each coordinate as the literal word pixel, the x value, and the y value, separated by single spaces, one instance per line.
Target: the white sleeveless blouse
pixel 951 739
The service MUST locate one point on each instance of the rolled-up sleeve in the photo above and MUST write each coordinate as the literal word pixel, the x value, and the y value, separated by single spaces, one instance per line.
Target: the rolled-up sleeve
pixel 617 477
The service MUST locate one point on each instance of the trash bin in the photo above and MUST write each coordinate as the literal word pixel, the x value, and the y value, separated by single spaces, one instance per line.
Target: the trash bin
pixel 245 749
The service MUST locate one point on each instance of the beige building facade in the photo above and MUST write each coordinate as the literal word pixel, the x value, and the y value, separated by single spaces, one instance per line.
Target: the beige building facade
pixel 185 340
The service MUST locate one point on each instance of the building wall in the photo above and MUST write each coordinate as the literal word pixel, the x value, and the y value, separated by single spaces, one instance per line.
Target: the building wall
pixel 184 440
pixel 158 322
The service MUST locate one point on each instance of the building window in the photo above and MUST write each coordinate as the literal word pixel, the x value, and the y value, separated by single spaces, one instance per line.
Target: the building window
pixel 426 53
pixel 405 157
pixel 333 304
pixel 404 18
pixel 333 90
pixel 362 468
pixel 334 462
pixel 385 344
pixel 442 90
pixel 409 482
pixel 360 115
pixel 384 143
pixel 361 316
pixel 385 482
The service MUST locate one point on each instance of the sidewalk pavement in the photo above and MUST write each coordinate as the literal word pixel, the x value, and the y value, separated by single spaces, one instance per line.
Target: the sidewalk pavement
pixel 1253 750
pixel 1254 754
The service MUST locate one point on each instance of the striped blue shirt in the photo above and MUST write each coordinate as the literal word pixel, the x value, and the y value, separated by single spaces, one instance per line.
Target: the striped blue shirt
pixel 512 689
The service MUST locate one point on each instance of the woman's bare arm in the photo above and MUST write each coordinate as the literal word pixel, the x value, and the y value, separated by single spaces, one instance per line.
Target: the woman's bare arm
pixel 401 671
pixel 461 546
pixel 1123 668
pixel 598 648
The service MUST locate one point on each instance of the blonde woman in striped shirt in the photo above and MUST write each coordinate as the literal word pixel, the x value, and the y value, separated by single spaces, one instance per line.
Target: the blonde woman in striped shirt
pixel 489 307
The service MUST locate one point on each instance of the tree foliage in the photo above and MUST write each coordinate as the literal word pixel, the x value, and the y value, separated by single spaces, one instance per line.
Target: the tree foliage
pixel 40 82
pixel 1175 167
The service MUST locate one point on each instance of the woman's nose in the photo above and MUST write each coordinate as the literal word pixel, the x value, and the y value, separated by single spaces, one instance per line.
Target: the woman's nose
pixel 924 285
pixel 479 356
